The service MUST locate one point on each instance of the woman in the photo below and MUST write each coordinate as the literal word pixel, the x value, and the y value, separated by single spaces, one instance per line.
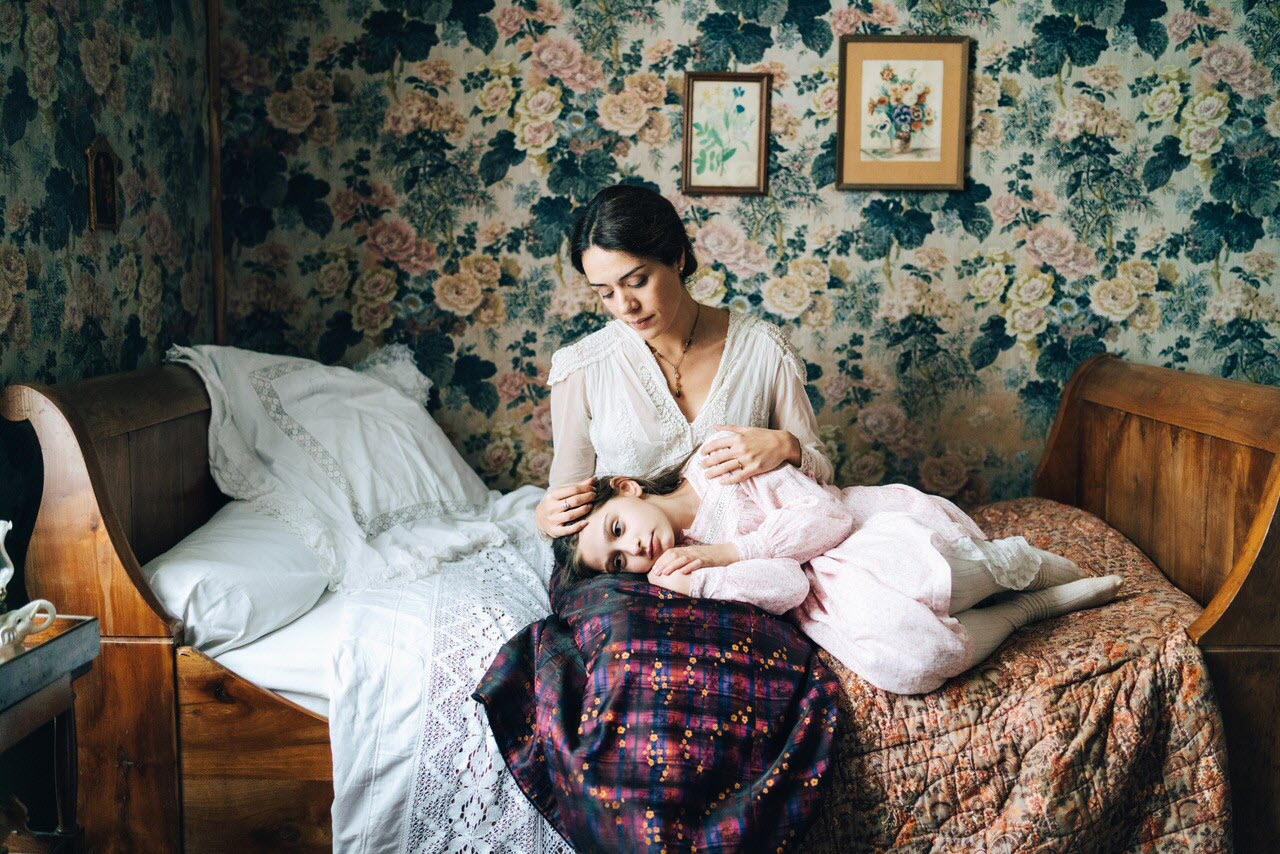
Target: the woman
pixel 641 394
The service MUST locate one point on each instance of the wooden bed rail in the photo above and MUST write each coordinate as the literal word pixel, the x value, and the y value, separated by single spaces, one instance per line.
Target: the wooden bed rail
pixel 1187 467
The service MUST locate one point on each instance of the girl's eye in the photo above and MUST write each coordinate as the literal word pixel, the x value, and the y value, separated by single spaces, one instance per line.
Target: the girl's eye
pixel 617 564
pixel 617 529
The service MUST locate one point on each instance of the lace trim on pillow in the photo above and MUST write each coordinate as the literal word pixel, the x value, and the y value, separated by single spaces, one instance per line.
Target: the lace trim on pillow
pixel 588 351
pixel 394 365
pixel 302 519
pixel 263 382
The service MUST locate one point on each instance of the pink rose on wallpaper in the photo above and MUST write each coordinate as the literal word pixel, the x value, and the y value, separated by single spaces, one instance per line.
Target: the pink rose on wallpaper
pixel 1181 25
pixel 391 237
pixel 345 205
pixel 1229 63
pixel 555 57
pixel 881 420
pixel 438 72
pixel 382 196
pixel 421 259
pixel 1043 201
pixel 509 20
pixel 511 385
pixel 540 423
pixel 720 240
pixel 883 14
pixel 845 22
pixel 377 285
pixel 547 12
pixel 588 75
pixel 1057 247
pixel 1006 209
pixel 943 475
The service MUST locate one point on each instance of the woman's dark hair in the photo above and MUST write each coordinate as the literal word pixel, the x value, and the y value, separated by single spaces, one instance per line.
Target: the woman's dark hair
pixel 569 566
pixel 635 220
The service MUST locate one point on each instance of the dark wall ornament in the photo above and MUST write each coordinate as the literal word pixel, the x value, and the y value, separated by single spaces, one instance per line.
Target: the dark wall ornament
pixel 104 188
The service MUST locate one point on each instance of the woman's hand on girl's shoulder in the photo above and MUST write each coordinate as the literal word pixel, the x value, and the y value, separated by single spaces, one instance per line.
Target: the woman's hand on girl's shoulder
pixel 564 510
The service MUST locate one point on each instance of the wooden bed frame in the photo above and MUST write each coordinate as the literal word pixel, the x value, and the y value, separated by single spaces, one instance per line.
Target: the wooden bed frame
pixel 176 751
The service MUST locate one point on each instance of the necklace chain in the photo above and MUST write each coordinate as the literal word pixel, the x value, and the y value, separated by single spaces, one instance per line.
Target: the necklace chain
pixel 675 366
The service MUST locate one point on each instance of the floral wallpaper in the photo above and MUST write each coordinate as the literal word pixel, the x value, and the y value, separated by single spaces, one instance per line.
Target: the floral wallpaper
pixel 406 170
pixel 74 302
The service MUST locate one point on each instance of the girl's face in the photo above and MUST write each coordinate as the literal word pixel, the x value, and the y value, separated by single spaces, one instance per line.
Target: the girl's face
pixel 625 533
pixel 645 294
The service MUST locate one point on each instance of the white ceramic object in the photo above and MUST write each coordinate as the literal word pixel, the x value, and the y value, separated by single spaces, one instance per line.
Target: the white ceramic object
pixel 6 565
pixel 35 616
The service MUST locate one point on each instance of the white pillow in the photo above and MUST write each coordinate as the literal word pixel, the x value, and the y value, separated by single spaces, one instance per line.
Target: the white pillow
pixel 353 446
pixel 236 578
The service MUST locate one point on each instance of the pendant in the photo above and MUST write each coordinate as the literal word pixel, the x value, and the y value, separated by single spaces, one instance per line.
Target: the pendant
pixel 677 383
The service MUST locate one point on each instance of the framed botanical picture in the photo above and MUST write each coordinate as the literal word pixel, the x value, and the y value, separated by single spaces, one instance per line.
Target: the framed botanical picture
pixel 726 133
pixel 903 112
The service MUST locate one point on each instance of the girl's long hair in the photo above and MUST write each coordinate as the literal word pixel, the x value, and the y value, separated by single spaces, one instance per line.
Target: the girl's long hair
pixel 568 554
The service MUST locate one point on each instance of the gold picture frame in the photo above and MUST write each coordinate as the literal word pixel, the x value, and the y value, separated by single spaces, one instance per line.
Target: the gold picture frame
pixel 903 112
pixel 726 112
pixel 104 189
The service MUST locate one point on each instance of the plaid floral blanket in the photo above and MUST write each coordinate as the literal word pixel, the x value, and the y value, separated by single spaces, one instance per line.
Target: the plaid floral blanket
pixel 636 720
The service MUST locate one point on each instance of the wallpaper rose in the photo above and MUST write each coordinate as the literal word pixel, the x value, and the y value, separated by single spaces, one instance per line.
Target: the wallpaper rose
pixel 405 171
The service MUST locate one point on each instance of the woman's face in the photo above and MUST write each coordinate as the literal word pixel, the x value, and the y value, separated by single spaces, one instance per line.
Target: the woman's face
pixel 641 292
pixel 625 533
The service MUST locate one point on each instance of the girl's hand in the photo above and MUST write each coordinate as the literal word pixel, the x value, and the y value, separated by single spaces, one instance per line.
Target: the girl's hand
pixel 677 583
pixel 563 510
pixel 748 452
pixel 683 560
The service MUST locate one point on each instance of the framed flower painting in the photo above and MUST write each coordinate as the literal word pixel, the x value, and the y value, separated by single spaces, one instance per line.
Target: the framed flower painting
pixel 726 133
pixel 903 112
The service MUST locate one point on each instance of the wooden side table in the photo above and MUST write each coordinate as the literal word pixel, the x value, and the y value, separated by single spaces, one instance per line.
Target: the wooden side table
pixel 35 688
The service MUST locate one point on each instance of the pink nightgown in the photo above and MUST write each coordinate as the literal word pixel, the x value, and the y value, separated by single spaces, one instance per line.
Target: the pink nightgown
pixel 879 583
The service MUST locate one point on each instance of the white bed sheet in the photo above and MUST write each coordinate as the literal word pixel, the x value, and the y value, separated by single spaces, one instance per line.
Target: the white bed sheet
pixel 416 768
pixel 295 661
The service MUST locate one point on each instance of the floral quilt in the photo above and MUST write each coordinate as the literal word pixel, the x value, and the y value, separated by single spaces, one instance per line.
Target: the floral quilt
pixel 1097 731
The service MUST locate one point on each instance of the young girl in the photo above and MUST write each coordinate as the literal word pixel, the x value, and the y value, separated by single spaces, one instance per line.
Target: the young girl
pixel 885 578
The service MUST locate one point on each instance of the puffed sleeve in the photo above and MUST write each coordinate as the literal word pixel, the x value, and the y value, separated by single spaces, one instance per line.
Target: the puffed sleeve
pixel 775 586
pixel 802 519
pixel 574 457
pixel 793 412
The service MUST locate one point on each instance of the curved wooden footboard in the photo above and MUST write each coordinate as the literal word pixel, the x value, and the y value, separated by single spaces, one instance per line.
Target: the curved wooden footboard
pixel 174 749
pixel 1186 467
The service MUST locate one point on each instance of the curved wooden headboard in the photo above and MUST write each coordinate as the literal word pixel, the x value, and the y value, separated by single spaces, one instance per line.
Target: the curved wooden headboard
pixel 1186 467
pixel 126 475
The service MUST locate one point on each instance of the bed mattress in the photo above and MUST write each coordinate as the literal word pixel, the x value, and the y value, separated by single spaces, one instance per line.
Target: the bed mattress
pixel 295 661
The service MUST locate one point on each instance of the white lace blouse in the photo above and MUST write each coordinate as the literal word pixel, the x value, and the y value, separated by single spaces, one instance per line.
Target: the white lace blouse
pixel 612 412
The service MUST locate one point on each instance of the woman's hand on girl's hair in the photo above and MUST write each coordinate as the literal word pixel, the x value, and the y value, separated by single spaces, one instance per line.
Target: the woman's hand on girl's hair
pixel 748 452
pixel 678 583
pixel 683 560
pixel 563 510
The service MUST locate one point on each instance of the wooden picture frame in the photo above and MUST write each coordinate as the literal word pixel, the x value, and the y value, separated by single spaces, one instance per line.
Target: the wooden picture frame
pixel 726 133
pixel 903 113
pixel 104 188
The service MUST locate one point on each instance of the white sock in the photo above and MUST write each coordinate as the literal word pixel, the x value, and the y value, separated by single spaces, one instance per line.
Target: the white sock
pixel 1054 570
pixel 988 627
